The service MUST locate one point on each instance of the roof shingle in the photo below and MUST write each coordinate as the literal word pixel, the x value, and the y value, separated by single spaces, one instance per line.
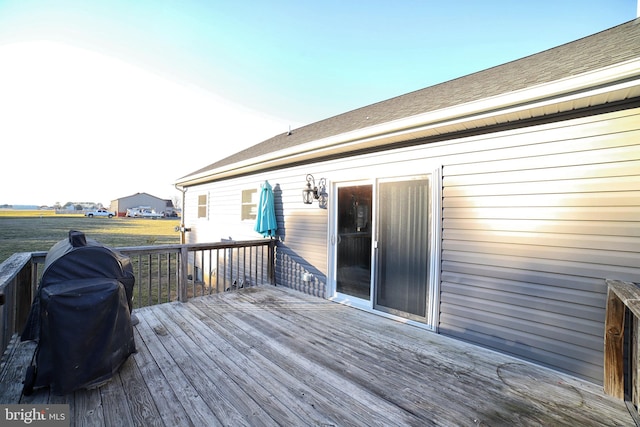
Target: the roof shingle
pixel 609 47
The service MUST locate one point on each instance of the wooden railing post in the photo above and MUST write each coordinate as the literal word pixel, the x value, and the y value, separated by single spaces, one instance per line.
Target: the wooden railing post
pixel 24 295
pixel 183 275
pixel 15 295
pixel 614 346
pixel 272 262
pixel 622 297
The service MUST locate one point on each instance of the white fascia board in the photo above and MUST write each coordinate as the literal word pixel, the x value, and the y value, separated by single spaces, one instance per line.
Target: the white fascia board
pixel 567 89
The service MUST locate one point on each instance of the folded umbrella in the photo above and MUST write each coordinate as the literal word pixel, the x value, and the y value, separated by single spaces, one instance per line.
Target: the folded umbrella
pixel 266 223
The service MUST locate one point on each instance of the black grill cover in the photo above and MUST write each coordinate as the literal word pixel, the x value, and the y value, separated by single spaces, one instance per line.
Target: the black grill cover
pixel 81 315
pixel 85 335
pixel 79 258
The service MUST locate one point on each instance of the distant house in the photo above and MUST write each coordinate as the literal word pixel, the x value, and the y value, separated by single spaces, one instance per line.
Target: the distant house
pixel 490 208
pixel 142 199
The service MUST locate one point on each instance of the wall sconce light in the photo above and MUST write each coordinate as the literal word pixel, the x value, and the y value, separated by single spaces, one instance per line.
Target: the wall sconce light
pixel 311 191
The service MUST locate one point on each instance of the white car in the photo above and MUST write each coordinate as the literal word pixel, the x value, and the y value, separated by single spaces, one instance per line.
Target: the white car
pixel 100 212
pixel 146 213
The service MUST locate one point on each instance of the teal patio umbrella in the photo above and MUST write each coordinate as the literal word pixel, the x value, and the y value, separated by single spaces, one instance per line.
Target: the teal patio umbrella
pixel 266 223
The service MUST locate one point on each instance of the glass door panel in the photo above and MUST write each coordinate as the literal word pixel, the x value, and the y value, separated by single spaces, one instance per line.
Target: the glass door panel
pixel 402 263
pixel 353 253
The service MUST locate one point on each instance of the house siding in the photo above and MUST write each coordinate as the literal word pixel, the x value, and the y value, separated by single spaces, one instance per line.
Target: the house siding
pixel 302 229
pixel 531 231
pixel 533 220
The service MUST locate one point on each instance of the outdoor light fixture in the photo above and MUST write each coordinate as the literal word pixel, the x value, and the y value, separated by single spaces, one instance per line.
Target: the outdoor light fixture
pixel 311 191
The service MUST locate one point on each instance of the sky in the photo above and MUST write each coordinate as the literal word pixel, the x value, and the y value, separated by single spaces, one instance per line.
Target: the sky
pixel 101 100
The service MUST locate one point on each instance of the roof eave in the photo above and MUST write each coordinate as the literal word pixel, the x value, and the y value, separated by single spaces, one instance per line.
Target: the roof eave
pixel 619 80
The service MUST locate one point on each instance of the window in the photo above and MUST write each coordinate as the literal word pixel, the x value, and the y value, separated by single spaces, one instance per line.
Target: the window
pixel 249 204
pixel 202 206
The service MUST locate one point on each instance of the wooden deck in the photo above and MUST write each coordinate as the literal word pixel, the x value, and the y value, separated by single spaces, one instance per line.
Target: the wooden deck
pixel 272 356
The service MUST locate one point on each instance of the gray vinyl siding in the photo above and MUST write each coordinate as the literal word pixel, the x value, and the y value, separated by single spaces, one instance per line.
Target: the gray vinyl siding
pixel 302 229
pixel 533 221
pixel 531 232
pixel 304 243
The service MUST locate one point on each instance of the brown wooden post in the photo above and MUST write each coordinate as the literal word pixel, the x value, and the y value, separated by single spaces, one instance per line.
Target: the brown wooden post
pixel 183 275
pixel 272 262
pixel 614 346
pixel 634 362
pixel 24 295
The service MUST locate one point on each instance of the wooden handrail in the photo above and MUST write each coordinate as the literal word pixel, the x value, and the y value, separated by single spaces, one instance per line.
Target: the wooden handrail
pixel 17 292
pixel 620 295
pixel 19 275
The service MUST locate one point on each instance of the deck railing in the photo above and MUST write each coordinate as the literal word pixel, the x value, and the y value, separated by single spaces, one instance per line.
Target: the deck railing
pixel 622 371
pixel 163 273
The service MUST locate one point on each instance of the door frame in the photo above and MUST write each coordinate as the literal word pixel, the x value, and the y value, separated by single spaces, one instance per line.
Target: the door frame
pixel 332 294
pixel 435 236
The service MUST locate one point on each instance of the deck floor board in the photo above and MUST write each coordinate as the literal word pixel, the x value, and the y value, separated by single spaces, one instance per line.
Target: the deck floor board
pixel 270 356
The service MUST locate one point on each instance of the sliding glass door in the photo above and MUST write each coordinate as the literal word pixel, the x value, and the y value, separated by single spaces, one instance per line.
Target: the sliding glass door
pixel 382 239
pixel 403 248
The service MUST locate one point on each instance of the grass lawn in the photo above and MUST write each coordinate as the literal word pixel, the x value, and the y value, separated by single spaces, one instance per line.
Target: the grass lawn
pixel 30 231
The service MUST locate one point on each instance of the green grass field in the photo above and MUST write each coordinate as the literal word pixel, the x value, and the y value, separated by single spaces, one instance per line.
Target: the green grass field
pixel 31 231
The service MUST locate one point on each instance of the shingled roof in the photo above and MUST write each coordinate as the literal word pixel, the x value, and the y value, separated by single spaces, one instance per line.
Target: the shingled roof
pixel 606 48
